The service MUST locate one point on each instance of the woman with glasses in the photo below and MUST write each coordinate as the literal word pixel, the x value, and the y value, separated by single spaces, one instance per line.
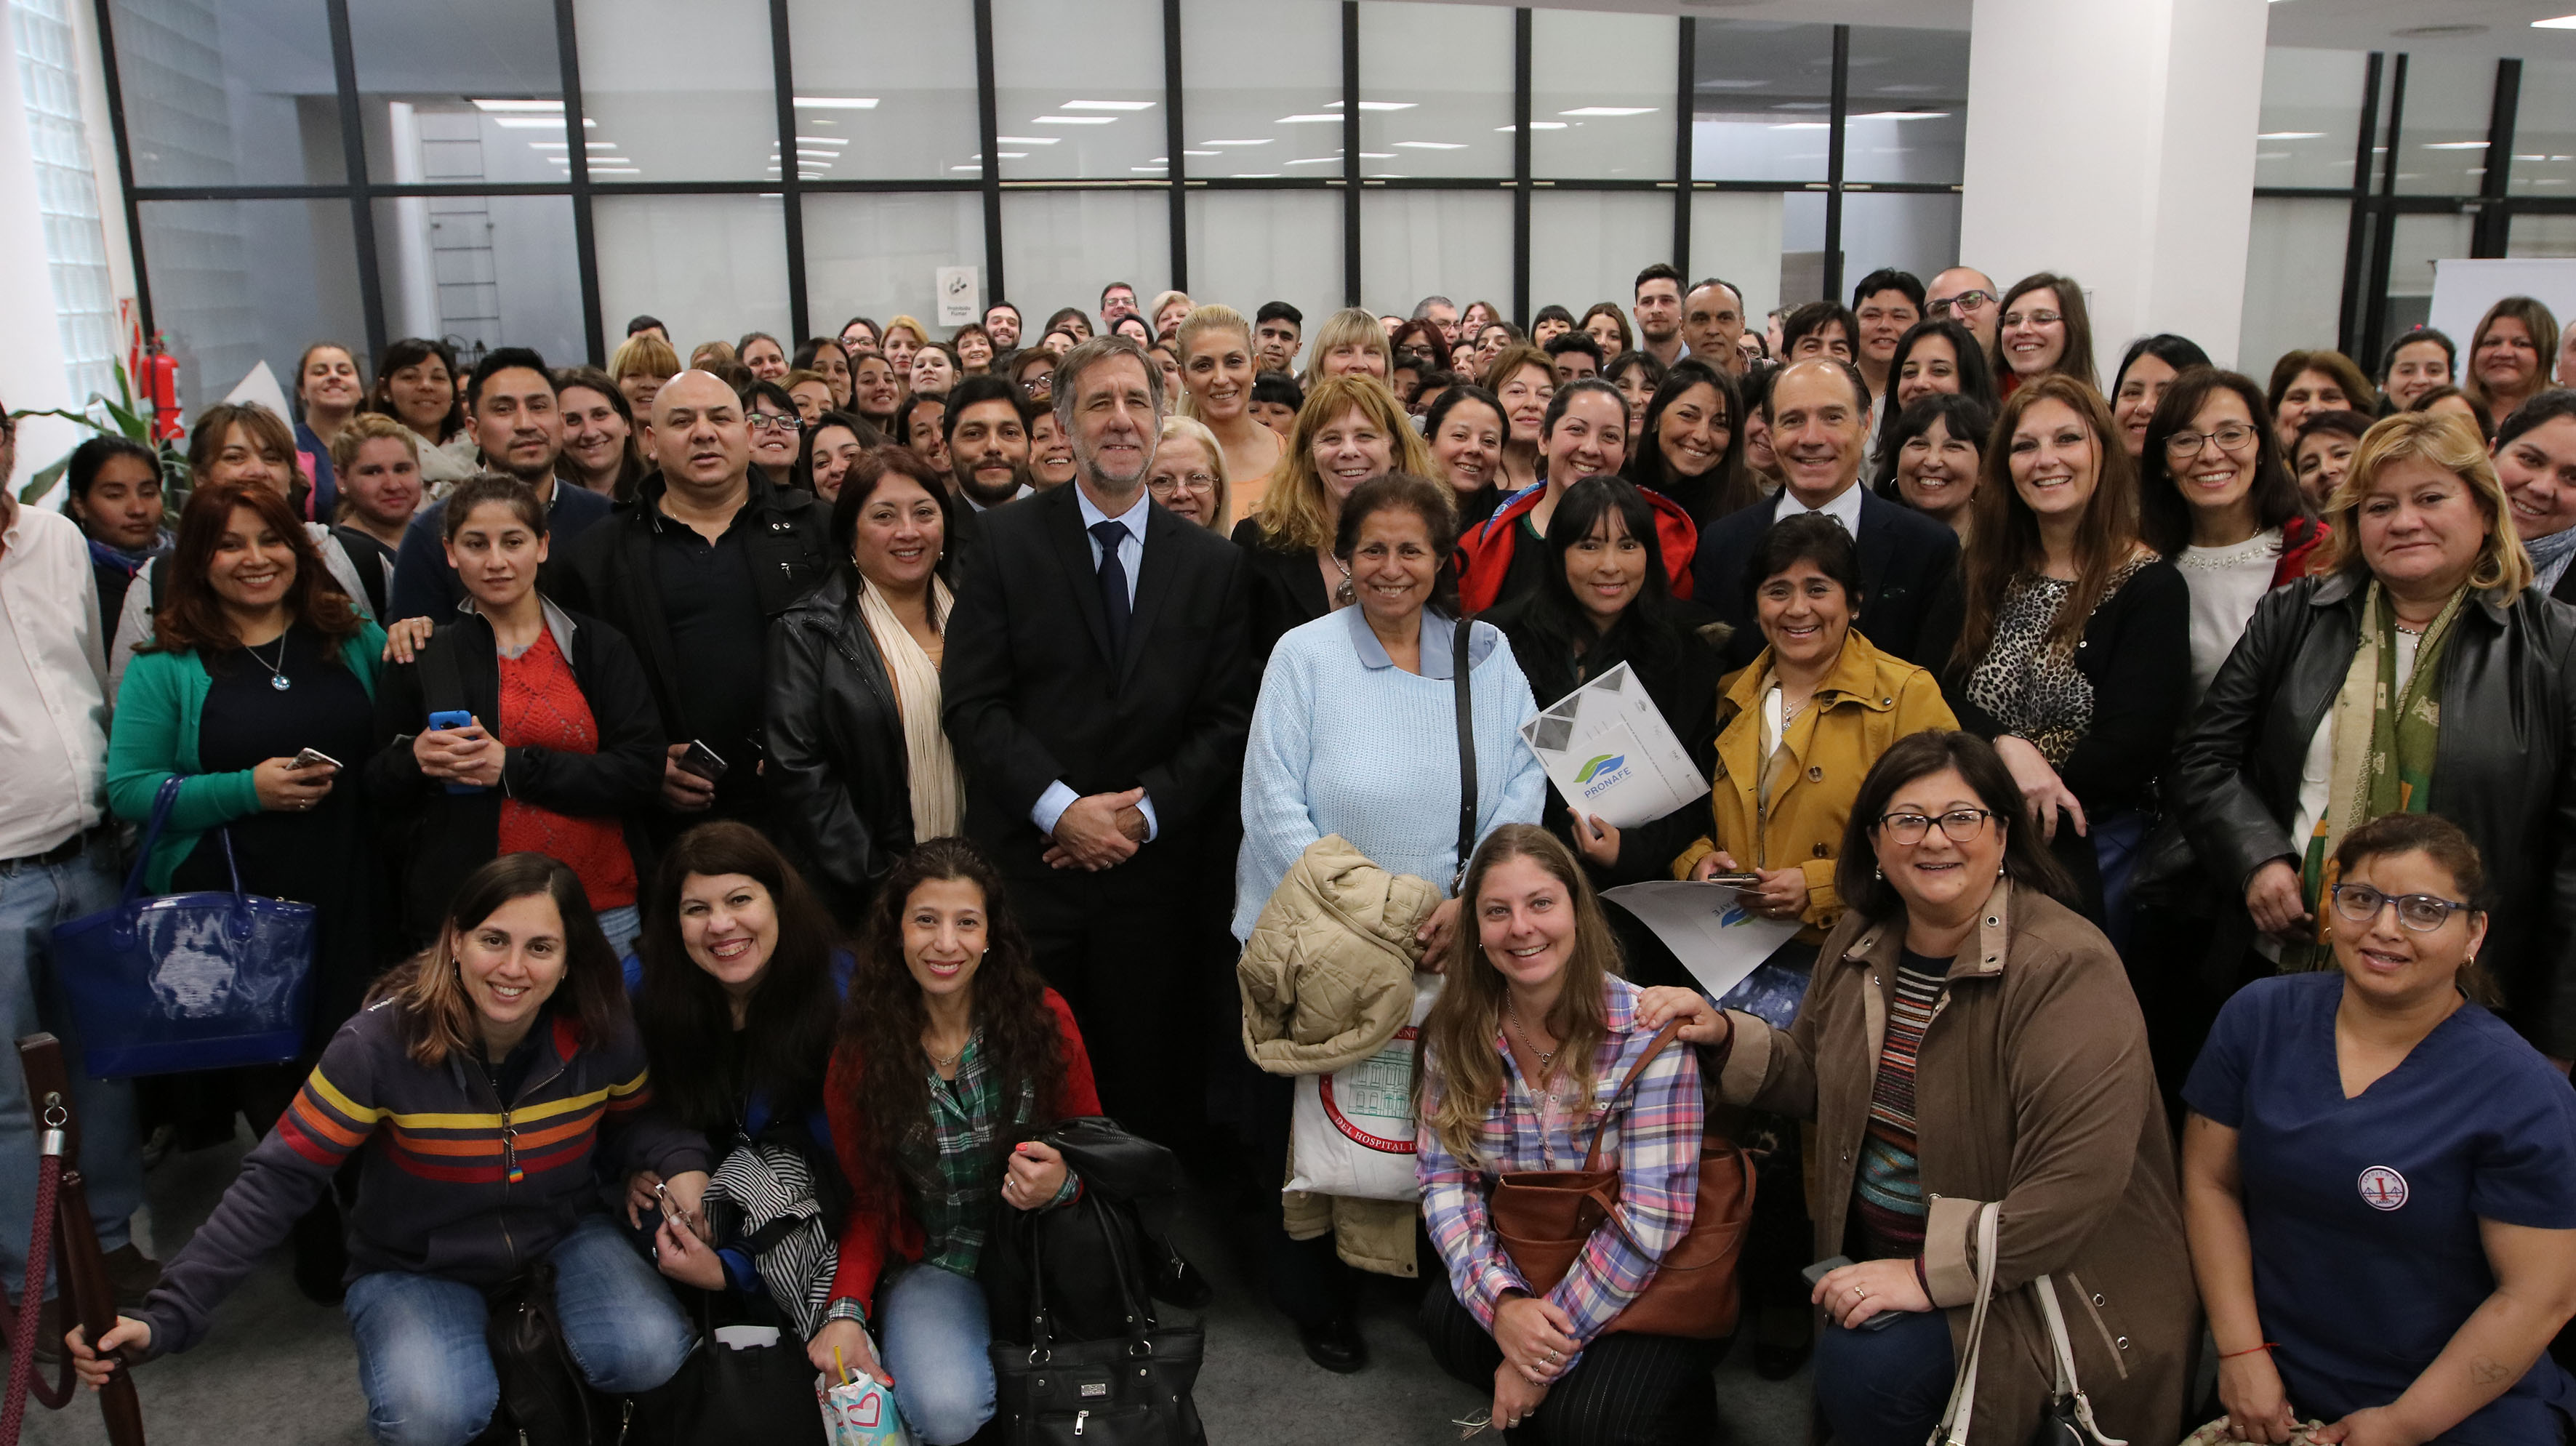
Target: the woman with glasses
pixel 2377 1112
pixel 2414 669
pixel 1217 367
pixel 1189 472
pixel 1969 1039
pixel 2218 502
pixel 2043 328
pixel 777 431
pixel 1033 372
pixel 2509 355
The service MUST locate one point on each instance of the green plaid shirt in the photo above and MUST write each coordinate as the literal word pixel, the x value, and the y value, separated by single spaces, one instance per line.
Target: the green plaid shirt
pixel 965 1118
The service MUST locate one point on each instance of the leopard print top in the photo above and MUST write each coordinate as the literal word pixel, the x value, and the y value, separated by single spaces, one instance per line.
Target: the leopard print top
pixel 2033 689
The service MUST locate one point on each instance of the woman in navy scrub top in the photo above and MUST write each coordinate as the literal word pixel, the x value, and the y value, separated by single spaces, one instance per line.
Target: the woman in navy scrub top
pixel 2379 1176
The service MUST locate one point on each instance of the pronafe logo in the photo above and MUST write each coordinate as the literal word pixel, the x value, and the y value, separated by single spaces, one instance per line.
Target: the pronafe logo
pixel 1600 773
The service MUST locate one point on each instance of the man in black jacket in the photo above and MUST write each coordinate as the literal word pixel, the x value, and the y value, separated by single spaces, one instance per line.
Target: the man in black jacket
pixel 692 573
pixel 1818 410
pixel 1098 688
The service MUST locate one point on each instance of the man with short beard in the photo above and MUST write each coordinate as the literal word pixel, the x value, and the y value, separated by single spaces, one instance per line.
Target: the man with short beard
pixel 1098 689
pixel 1002 324
pixel 1658 308
pixel 987 433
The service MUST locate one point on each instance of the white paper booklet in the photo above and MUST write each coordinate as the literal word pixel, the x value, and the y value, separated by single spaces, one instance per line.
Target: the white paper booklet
pixel 1611 754
pixel 1707 926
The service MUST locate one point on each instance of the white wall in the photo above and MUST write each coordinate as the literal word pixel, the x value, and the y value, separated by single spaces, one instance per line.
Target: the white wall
pixel 31 354
pixel 2132 175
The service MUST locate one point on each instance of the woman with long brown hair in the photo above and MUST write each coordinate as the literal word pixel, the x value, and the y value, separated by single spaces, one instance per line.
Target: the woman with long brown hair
pixel 1534 967
pixel 2067 642
pixel 2509 355
pixel 514 1013
pixel 960 1050
pixel 1351 430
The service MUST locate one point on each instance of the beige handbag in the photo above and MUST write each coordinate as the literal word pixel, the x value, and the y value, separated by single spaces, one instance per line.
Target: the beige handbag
pixel 2068 1421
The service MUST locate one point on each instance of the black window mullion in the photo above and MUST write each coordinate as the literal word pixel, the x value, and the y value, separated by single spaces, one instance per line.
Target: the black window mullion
pixel 791 191
pixel 2376 327
pixel 988 109
pixel 353 149
pixel 2494 223
pixel 1351 153
pixel 1521 106
pixel 594 324
pixel 2357 232
pixel 1834 164
pixel 1173 130
pixel 1684 94
pixel 124 168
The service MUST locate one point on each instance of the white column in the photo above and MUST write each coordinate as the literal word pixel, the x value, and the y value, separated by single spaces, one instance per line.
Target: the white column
pixel 31 353
pixel 2112 141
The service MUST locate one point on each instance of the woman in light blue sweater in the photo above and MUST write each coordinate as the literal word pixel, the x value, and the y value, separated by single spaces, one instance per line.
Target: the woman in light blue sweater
pixel 1356 734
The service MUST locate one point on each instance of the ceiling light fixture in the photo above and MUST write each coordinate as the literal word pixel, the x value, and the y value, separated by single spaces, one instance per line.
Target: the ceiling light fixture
pixel 1072 120
pixel 2455 145
pixel 1898 115
pixel 822 140
pixel 1610 110
pixel 2289 135
pixel 538 122
pixel 497 106
pixel 1534 125
pixel 1263 142
pixel 1315 161
pixel 1432 145
pixel 1306 120
pixel 1028 140
pixel 1107 105
pixel 837 102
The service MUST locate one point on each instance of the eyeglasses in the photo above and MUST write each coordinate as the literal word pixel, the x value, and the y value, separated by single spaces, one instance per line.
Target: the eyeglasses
pixel 2033 318
pixel 771 422
pixel 1960 824
pixel 1944 305
pixel 1040 386
pixel 1195 481
pixel 2422 913
pixel 2230 437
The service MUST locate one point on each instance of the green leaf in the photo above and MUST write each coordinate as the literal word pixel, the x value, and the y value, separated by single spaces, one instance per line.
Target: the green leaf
pixel 44 480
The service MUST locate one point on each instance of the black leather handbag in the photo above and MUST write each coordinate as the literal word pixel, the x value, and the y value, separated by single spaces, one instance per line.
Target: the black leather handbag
pixel 1128 1387
pixel 543 1395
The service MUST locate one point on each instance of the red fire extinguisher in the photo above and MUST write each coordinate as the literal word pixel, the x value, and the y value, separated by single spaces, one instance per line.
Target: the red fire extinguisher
pixel 158 384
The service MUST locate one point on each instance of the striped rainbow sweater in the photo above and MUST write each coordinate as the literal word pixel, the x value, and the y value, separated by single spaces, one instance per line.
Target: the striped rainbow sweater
pixel 452 1180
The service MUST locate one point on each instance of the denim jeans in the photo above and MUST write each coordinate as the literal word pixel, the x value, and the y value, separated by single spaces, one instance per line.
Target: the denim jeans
pixel 932 1326
pixel 428 1374
pixel 1885 1387
pixel 621 925
pixel 33 899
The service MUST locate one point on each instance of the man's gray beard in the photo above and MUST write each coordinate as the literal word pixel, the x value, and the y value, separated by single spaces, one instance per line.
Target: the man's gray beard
pixel 1084 465
pixel 967 484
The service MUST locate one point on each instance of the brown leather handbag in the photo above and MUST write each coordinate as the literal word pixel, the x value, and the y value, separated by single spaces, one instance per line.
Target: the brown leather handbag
pixel 1545 1216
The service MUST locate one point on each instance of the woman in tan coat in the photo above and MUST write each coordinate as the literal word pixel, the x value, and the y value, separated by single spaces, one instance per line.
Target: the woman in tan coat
pixel 1969 1038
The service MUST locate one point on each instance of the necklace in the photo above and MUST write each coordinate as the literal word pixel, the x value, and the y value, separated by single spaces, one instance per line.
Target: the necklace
pixel 1546 1057
pixel 276 671
pixel 1344 594
pixel 947 1061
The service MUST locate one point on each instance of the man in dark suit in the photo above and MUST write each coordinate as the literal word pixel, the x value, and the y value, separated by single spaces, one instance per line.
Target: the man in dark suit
pixel 1097 687
pixel 2535 459
pixel 1818 410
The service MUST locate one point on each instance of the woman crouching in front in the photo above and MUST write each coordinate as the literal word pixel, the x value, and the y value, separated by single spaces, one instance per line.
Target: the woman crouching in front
pixel 515 1011
pixel 958 1049
pixel 1533 1026
pixel 1969 1038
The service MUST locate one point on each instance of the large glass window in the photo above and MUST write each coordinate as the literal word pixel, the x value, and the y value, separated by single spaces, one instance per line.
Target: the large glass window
pixel 482 272
pixel 1060 248
pixel 1249 247
pixel 1415 243
pixel 1735 237
pixel 2293 279
pixel 1078 89
pixel 880 256
pixel 1435 89
pixel 2442 150
pixel 238 283
pixel 1910 231
pixel 884 92
pixel 240 93
pixel 1907 116
pixel 678 90
pixel 2311 117
pixel 1588 246
pixel 465 92
pixel 2420 241
pixel 1268 69
pixel 711 267
pixel 1601 95
pixel 2544 133
pixel 1762 100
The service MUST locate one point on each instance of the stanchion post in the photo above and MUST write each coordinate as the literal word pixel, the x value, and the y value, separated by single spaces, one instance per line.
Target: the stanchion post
pixel 79 1265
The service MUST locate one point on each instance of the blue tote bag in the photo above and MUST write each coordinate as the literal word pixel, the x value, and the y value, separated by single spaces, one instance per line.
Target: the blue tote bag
pixel 186 981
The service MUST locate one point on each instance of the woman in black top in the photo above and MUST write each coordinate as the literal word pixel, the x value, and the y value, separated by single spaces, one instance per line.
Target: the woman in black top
pixel 1692 447
pixel 115 495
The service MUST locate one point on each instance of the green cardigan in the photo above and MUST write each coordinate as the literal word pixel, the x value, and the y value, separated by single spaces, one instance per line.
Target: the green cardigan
pixel 155 735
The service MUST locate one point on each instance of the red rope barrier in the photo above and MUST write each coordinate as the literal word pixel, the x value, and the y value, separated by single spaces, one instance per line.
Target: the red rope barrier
pixel 31 1301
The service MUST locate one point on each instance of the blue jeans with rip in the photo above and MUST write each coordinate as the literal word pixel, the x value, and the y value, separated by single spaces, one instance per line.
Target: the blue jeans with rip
pixel 932 1325
pixel 33 899
pixel 427 1372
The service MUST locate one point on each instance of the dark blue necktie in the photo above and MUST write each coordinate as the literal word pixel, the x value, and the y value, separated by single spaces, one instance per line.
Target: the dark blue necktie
pixel 1113 584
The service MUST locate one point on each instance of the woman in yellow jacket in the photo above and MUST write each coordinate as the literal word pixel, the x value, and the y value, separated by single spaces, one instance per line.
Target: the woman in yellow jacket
pixel 1798 729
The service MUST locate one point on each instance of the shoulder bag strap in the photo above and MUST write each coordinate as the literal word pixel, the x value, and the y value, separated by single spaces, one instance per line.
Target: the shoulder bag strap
pixel 1460 688
pixel 1663 1037
pixel 2067 1385
pixel 1953 1430
pixel 162 802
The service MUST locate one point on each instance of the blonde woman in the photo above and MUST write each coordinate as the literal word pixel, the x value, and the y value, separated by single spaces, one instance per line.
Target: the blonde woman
pixel 643 362
pixel 904 337
pixel 1189 473
pixel 1352 340
pixel 1171 308
pixel 1217 367
pixel 1352 429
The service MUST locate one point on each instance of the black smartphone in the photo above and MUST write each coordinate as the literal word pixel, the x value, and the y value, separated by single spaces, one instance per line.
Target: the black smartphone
pixel 1817 1272
pixel 702 761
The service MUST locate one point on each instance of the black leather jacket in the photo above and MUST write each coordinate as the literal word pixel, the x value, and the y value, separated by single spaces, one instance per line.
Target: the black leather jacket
pixel 2505 772
pixel 838 769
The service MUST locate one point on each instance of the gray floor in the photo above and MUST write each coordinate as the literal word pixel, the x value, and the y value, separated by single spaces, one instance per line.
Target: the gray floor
pixel 278 1370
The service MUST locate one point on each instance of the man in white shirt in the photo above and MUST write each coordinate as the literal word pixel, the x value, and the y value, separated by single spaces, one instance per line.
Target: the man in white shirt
pixel 57 863
pixel 1818 411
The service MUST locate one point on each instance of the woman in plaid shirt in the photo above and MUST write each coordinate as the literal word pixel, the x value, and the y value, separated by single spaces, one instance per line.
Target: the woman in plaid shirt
pixel 1533 1029
pixel 958 1050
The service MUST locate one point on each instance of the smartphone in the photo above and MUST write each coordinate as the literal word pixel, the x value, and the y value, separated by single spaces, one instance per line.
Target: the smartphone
pixel 450 718
pixel 1822 1268
pixel 1739 881
pixel 313 757
pixel 702 761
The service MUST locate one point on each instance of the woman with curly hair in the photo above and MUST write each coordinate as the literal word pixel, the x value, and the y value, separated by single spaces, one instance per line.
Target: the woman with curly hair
pixel 961 1051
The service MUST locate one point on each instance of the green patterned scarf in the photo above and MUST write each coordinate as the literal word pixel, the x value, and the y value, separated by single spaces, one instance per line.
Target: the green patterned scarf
pixel 2385 738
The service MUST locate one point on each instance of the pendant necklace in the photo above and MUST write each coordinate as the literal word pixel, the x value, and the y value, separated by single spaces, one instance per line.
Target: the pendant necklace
pixel 1344 594
pixel 1545 1057
pixel 276 671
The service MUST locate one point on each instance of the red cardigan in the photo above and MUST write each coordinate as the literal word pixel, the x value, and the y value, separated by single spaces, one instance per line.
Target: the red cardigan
pixel 2300 538
pixel 871 1234
pixel 1484 556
